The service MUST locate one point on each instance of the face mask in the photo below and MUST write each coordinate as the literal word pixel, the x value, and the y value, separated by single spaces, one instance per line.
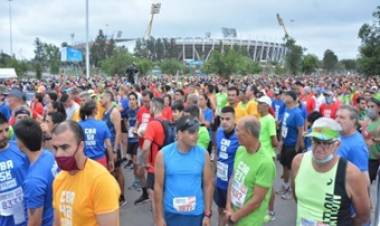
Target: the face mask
pixel 324 161
pixel 67 163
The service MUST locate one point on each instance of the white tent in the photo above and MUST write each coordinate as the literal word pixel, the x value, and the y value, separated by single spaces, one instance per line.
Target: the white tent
pixel 7 73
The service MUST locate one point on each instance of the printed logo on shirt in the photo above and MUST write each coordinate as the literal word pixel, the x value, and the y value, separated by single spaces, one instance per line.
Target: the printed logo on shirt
pixel 6 179
pixel 225 143
pixel 66 203
pixel 90 136
pixel 284 128
pixel 239 190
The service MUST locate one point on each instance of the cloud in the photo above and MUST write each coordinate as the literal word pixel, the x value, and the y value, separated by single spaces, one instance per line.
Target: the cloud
pixel 315 24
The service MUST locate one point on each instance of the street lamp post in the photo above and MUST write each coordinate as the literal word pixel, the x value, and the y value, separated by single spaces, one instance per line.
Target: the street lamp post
pixel 87 45
pixel 10 28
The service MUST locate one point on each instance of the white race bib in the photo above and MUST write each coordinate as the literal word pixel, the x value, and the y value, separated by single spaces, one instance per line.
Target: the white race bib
pixel 239 192
pixel 284 131
pixel 223 155
pixel 185 204
pixel 11 203
pixel 222 171
pixel 131 134
pixel 305 222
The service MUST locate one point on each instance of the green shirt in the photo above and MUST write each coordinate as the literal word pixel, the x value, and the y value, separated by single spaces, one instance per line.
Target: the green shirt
pixel 251 170
pixel 203 137
pixel 221 101
pixel 267 130
pixel 374 150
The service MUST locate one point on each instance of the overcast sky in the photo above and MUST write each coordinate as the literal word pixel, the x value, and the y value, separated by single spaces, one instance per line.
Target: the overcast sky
pixel 315 24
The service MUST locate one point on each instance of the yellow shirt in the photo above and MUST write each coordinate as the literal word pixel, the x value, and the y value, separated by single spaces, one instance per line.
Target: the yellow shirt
pixel 79 198
pixel 99 115
pixel 240 111
pixel 252 108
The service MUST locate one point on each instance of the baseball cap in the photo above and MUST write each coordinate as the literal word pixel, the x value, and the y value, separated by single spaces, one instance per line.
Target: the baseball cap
pixel 265 100
pixel 325 129
pixel 16 93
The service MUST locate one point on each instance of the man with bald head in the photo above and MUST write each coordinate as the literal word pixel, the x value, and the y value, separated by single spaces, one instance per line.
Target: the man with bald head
pixel 254 172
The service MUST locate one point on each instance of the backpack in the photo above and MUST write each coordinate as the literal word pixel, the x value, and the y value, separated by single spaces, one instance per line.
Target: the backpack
pixel 169 132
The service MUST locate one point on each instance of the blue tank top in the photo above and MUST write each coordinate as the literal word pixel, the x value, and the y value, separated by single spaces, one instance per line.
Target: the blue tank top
pixel 111 127
pixel 183 192
pixel 226 147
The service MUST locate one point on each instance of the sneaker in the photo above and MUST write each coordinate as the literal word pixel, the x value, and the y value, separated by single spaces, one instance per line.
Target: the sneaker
pixel 129 164
pixel 269 217
pixel 287 195
pixel 282 190
pixel 142 198
pixel 122 203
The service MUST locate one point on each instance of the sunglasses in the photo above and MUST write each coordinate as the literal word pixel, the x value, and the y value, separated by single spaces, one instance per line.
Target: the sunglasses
pixel 323 142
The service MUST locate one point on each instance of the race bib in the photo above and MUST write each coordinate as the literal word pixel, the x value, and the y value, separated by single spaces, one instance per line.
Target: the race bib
pixel 11 204
pixel 131 134
pixel 239 193
pixel 184 204
pixel 284 131
pixel 305 222
pixel 222 171
pixel 223 155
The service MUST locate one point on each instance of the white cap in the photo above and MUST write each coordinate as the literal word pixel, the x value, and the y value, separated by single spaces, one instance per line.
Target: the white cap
pixel 266 100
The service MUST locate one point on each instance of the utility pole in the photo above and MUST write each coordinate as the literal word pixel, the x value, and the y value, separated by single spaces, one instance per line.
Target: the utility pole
pixel 87 45
pixel 10 28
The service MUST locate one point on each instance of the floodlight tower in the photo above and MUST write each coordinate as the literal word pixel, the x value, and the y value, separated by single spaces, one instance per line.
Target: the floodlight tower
pixel 281 23
pixel 155 9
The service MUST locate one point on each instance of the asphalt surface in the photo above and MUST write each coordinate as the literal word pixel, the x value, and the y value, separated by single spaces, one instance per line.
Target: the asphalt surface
pixel 141 215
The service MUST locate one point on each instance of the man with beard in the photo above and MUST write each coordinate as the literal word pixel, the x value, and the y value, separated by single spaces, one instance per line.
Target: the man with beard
pixel 13 167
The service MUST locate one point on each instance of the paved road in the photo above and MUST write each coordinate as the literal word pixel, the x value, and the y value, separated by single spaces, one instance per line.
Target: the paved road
pixel 141 215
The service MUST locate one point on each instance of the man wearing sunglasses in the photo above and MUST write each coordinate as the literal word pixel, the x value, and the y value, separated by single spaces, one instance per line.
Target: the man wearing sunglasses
pixel 183 179
pixel 326 186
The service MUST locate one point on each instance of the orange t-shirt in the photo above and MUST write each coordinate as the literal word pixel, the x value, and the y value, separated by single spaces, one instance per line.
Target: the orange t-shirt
pixel 80 197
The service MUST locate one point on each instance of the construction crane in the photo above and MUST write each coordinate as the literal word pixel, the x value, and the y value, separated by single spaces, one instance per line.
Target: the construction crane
pixel 281 23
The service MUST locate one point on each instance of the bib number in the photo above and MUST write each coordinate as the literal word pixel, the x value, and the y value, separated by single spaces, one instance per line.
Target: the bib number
pixel 184 204
pixel 11 204
pixel 239 193
pixel 222 171
pixel 305 222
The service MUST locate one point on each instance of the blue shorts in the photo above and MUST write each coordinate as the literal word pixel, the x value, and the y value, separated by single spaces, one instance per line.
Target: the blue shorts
pixel 173 219
pixel 220 197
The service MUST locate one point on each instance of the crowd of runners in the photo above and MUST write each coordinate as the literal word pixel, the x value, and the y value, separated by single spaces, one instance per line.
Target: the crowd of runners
pixel 191 143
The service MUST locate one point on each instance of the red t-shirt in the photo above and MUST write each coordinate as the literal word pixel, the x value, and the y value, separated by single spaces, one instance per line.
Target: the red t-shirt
pixel 37 110
pixel 329 110
pixel 309 102
pixel 143 117
pixel 167 113
pixel 155 133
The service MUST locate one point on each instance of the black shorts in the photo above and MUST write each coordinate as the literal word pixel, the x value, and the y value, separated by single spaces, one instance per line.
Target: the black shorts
pixel 132 148
pixel 119 159
pixel 150 181
pixel 220 197
pixel 373 166
pixel 123 126
pixel 287 155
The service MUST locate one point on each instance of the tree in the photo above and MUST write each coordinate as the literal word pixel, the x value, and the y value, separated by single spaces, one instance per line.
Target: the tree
pixel 117 63
pixel 349 64
pixel 330 60
pixel 144 65
pixel 171 66
pixel 369 61
pixel 310 63
pixel 101 48
pixel 52 57
pixel 293 57
pixel 247 66
pixel 39 58
pixel 21 67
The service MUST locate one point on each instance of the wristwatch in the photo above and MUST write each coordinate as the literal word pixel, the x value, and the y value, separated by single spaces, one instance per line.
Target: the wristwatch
pixel 208 214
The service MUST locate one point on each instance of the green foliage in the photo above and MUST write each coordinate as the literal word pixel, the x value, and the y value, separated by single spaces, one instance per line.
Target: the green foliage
pixel 171 66
pixel 229 62
pixel 117 63
pixel 349 64
pixel 21 66
pixel 46 57
pixel 369 61
pixel 310 63
pixel 101 49
pixel 330 61
pixel 144 65
pixel 293 57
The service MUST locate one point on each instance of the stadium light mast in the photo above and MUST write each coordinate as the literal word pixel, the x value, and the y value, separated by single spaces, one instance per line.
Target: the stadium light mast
pixel 87 45
pixel 155 9
pixel 10 29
